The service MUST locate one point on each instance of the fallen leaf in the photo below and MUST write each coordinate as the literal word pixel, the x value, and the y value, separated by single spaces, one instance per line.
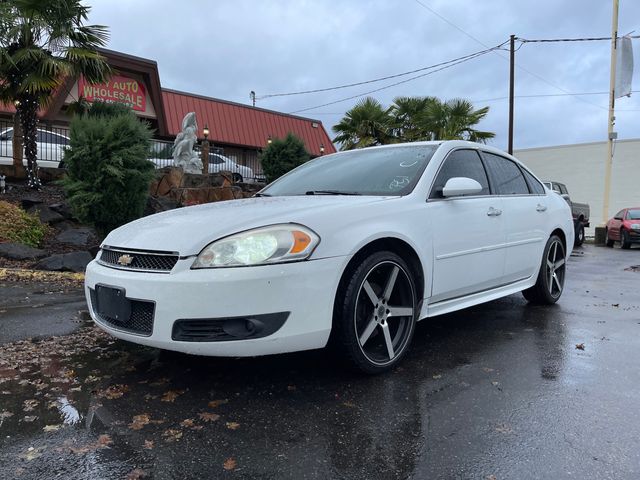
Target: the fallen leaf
pixel 29 405
pixel 148 445
pixel 436 377
pixel 504 428
pixel 487 369
pixel 51 428
pixel 208 416
pixel 217 403
pixel 580 346
pixel 136 474
pixel 495 384
pixel 114 391
pixel 230 464
pixel 171 395
pixel 172 435
pixel 187 422
pixel 349 404
pixel 139 421
pixel 232 425
pixel 30 418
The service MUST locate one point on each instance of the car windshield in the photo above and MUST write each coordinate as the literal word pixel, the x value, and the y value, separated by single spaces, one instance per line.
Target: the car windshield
pixel 633 215
pixel 369 171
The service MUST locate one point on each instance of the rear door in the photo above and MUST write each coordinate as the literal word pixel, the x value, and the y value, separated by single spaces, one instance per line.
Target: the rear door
pixel 524 205
pixel 468 232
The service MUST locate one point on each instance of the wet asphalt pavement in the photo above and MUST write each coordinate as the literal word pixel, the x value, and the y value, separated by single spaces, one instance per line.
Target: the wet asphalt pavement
pixel 497 391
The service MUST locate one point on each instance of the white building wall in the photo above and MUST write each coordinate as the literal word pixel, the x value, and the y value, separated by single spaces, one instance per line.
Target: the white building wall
pixel 581 168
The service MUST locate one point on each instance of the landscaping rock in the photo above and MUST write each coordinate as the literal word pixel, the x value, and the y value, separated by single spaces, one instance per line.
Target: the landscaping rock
pixel 80 237
pixel 159 204
pixel 63 209
pixel 65 262
pixel 19 251
pixel 46 214
pixel 28 202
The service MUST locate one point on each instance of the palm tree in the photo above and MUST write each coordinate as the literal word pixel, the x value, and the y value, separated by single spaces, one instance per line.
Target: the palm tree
pixel 405 116
pixel 365 125
pixel 454 120
pixel 43 42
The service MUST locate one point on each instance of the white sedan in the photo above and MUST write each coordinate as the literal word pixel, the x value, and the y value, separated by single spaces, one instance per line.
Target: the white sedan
pixel 50 146
pixel 219 163
pixel 352 248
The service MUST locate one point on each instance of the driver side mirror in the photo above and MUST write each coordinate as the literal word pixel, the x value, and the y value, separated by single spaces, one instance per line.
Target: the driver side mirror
pixel 458 186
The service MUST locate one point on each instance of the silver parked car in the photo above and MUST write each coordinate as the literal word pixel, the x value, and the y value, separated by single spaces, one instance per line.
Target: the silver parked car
pixel 219 163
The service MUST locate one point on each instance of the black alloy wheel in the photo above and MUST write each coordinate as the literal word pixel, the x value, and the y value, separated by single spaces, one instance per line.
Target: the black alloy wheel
pixel 579 240
pixel 550 282
pixel 375 312
pixel 625 241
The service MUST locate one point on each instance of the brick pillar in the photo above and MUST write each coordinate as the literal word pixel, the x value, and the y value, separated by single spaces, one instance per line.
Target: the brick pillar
pixel 205 157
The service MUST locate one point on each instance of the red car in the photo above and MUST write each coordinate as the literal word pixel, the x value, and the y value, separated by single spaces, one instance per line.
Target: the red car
pixel 624 227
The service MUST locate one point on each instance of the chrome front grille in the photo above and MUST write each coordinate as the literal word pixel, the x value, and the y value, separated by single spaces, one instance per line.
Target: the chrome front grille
pixel 138 260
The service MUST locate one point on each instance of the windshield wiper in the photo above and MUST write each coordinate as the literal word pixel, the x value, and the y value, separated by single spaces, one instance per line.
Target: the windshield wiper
pixel 330 192
pixel 262 195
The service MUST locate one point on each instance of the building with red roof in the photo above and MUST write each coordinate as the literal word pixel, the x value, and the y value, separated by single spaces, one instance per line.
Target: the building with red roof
pixel 242 131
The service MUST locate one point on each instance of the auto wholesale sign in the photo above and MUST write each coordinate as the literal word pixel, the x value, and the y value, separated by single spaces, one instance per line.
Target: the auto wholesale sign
pixel 117 89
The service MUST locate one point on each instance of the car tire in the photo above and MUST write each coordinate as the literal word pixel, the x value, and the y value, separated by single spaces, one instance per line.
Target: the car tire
pixel 579 229
pixel 237 178
pixel 365 329
pixel 625 241
pixel 608 241
pixel 550 282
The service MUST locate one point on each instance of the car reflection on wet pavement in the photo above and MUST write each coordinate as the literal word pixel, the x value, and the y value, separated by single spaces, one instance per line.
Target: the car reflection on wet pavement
pixel 494 391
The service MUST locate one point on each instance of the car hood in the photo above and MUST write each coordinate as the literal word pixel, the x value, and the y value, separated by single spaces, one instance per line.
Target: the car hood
pixel 188 230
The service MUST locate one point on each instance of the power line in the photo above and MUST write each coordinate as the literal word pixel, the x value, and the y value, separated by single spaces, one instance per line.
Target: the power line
pixel 449 64
pixel 555 40
pixel 471 55
pixel 520 67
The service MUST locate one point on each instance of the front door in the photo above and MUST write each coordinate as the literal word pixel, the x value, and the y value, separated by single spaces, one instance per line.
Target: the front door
pixel 468 232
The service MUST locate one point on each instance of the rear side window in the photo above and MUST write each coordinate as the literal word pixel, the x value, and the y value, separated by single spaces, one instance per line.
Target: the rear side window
pixel 461 163
pixel 534 185
pixel 506 177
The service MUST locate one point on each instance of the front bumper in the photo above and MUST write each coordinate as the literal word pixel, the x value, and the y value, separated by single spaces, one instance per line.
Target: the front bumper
pixel 306 290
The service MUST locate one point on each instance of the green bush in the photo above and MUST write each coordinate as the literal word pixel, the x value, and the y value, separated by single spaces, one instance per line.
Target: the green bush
pixel 108 174
pixel 18 226
pixel 282 156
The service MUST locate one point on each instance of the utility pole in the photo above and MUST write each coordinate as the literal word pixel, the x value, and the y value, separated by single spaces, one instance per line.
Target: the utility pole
pixel 512 58
pixel 612 99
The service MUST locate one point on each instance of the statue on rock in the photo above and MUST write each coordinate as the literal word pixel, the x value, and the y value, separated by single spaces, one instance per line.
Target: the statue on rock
pixel 183 154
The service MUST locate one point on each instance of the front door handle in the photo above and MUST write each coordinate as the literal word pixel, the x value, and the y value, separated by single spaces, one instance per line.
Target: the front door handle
pixel 494 212
pixel 541 208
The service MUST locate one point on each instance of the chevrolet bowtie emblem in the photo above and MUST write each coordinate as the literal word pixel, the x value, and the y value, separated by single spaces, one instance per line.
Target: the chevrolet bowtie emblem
pixel 125 260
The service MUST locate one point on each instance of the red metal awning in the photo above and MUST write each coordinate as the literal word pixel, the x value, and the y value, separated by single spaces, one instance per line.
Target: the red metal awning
pixel 242 125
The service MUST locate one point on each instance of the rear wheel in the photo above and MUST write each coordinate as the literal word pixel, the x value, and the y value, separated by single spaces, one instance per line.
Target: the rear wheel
pixel 579 240
pixel 550 283
pixel 608 240
pixel 625 241
pixel 375 312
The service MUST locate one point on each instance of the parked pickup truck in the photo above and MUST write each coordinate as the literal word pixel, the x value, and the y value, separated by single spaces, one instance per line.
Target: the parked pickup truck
pixel 580 211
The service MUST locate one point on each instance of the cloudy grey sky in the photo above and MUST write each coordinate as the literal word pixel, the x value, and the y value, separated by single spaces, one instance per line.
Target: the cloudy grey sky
pixel 225 49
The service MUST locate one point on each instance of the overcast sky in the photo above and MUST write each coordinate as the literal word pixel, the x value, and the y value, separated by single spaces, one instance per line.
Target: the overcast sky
pixel 225 49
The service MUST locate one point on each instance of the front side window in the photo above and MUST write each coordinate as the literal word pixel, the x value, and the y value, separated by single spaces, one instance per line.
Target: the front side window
pixel 369 171
pixel 619 215
pixel 506 177
pixel 8 135
pixel 461 163
pixel 215 159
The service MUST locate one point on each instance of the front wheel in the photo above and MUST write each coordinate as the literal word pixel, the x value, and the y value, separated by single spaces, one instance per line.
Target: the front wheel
pixel 550 282
pixel 608 240
pixel 625 241
pixel 579 240
pixel 237 178
pixel 375 312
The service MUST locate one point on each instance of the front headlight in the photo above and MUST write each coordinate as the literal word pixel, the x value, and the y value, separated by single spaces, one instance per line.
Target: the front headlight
pixel 260 246
pixel 635 226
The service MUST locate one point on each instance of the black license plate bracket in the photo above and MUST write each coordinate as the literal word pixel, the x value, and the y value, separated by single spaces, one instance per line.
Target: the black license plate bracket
pixel 112 303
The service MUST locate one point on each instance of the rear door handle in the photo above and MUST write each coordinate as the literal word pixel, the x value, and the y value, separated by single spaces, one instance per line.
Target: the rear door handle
pixel 541 208
pixel 494 212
